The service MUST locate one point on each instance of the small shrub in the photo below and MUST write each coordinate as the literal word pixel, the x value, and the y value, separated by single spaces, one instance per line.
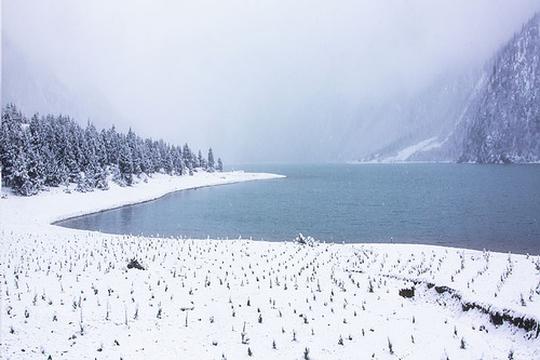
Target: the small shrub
pixel 134 264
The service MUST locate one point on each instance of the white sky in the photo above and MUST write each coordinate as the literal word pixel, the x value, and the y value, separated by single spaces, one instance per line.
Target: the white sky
pixel 258 80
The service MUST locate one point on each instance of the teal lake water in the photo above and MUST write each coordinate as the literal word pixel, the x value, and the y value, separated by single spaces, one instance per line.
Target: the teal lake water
pixel 471 206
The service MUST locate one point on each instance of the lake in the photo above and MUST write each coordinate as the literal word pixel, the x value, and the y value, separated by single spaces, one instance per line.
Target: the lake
pixel 496 207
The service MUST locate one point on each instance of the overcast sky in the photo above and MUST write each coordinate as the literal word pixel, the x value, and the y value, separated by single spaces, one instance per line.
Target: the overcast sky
pixel 258 80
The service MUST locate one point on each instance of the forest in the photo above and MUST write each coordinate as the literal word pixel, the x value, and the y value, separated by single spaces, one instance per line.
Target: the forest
pixel 54 150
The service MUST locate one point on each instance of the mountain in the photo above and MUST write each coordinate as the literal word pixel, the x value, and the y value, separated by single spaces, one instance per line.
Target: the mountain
pixel 503 125
pixel 420 123
pixel 494 114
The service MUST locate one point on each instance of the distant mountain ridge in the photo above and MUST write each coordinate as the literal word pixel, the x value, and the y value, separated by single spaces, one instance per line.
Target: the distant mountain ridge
pixel 499 122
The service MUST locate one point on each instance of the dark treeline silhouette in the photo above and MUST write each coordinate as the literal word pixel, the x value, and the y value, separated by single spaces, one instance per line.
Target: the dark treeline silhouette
pixel 56 151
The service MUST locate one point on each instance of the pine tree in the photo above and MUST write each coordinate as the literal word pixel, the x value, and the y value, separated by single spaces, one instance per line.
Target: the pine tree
pixel 168 165
pixel 19 178
pixel 186 154
pixel 101 178
pixel 211 164
pixel 219 165
pixel 178 163
pixel 81 182
pixel 10 141
pixel 136 158
pixel 23 173
pixel 200 160
pixel 112 145
pixel 125 165
pixel 56 151
pixel 62 175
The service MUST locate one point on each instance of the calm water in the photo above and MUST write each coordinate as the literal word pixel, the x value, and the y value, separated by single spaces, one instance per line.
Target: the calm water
pixel 471 206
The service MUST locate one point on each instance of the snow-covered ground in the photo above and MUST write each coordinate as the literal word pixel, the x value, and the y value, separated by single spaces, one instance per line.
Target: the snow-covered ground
pixel 69 294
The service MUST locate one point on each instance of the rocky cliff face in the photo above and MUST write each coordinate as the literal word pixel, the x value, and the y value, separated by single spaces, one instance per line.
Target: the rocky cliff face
pixel 503 121
pixel 497 120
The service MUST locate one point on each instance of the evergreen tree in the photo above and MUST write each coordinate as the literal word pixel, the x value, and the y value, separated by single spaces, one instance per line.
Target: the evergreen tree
pixel 211 164
pixel 136 158
pixel 200 160
pixel 10 142
pixel 62 175
pixel 56 151
pixel 125 165
pixel 23 173
pixel 81 182
pixel 188 163
pixel 178 163
pixel 219 165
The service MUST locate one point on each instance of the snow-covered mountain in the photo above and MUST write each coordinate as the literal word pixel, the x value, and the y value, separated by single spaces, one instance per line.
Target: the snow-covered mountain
pixel 503 125
pixel 421 123
pixel 492 118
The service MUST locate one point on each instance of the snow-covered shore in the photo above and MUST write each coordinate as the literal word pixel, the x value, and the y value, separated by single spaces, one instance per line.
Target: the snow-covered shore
pixel 69 293
pixel 54 205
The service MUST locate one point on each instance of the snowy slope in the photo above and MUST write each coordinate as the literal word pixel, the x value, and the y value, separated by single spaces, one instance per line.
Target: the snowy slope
pixel 504 124
pixel 407 122
pixel 499 120
pixel 407 153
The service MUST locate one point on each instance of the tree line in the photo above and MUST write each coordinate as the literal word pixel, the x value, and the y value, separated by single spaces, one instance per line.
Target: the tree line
pixel 56 151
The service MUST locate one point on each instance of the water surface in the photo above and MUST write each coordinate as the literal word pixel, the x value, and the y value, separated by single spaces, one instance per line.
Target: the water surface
pixel 472 206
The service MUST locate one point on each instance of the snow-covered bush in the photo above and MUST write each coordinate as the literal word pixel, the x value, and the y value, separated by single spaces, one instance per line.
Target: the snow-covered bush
pixel 303 240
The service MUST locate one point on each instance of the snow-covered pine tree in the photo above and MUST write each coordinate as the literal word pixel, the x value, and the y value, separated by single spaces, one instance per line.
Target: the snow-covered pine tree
pixel 168 164
pixel 219 165
pixel 10 141
pixel 211 163
pixel 55 150
pixel 81 182
pixel 125 164
pixel 136 158
pixel 24 173
pixel 178 164
pixel 146 157
pixel 111 140
pixel 200 159
pixel 186 154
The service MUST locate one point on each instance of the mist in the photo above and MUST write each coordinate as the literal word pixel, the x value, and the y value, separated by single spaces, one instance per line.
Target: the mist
pixel 259 81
